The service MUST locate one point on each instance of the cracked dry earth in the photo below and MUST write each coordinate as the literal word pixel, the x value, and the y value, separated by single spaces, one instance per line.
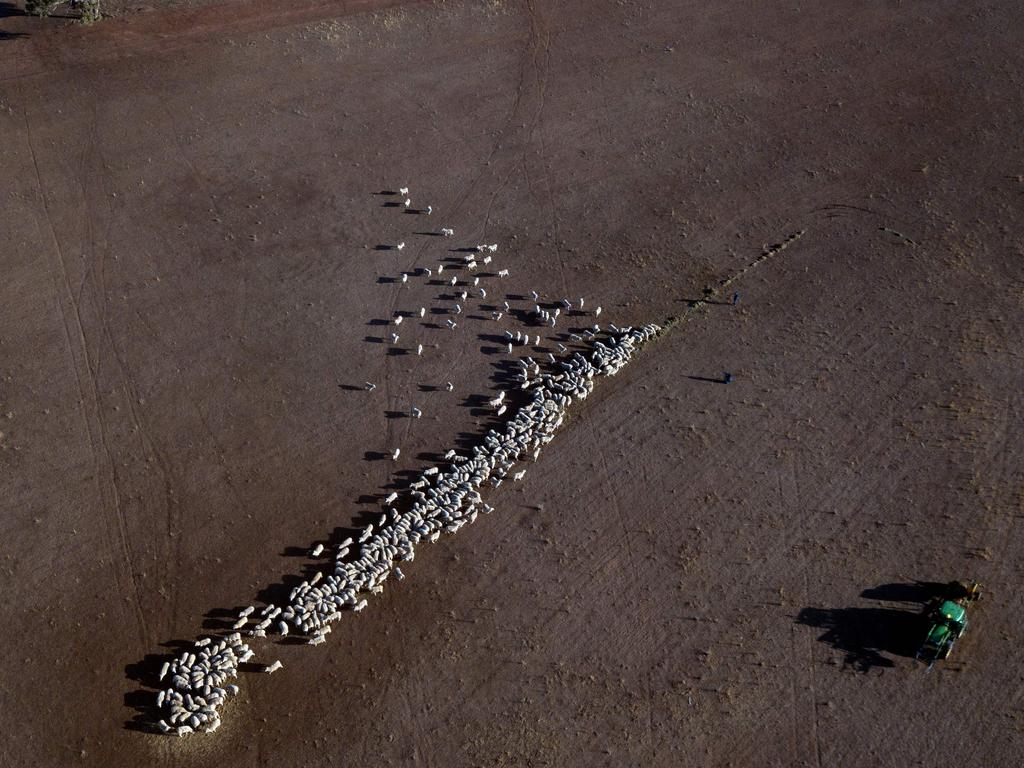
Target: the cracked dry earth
pixel 692 574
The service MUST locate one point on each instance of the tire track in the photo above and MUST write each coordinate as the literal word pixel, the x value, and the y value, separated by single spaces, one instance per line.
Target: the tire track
pixel 78 347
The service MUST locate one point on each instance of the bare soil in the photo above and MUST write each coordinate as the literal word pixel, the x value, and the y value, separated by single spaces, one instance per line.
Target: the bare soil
pixel 693 574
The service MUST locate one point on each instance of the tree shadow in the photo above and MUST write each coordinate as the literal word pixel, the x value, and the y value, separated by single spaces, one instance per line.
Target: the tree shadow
pixel 10 9
pixel 869 636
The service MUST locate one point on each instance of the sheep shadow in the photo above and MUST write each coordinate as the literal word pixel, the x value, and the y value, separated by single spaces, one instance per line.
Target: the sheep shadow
pixel 870 636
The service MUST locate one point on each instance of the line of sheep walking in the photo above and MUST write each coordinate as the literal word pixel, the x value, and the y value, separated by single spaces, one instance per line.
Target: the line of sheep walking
pixel 442 499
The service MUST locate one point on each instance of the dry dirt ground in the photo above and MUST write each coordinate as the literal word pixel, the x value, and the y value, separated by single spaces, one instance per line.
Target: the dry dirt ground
pixel 693 574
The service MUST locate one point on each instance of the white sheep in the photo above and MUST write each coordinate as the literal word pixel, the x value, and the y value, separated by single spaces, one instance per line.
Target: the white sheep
pixel 416 412
pixel 400 246
pixel 395 454
pixel 272 668
pixel 318 550
pixel 503 273
pixel 369 386
pixel 403 191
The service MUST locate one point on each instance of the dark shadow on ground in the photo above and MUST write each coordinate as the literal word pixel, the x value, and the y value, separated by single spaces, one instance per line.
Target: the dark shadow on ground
pixel 869 635
pixel 865 635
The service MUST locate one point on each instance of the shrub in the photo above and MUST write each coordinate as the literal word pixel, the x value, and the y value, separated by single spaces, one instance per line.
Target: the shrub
pixel 90 9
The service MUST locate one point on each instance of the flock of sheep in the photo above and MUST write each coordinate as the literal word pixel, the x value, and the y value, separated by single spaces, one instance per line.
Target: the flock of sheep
pixel 442 499
pixel 199 684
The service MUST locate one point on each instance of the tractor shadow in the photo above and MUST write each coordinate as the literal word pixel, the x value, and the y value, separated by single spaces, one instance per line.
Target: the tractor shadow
pixel 870 636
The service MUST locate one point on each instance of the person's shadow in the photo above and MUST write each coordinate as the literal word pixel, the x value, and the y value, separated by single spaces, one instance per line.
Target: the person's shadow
pixel 870 636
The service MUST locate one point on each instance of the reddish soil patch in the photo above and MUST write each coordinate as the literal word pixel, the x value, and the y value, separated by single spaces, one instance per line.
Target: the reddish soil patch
pixel 693 574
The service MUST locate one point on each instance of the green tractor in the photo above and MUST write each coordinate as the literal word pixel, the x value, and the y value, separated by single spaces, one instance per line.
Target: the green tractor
pixel 947 620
